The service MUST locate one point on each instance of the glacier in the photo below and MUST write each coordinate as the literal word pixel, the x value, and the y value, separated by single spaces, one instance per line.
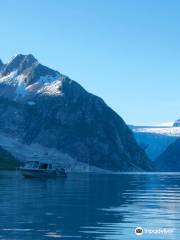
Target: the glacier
pixel 155 139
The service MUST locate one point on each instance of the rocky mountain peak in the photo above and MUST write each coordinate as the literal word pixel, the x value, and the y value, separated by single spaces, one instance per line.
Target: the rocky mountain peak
pixel 19 63
pixel 23 76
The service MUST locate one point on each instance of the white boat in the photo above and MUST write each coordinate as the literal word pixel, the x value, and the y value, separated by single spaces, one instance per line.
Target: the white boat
pixel 38 169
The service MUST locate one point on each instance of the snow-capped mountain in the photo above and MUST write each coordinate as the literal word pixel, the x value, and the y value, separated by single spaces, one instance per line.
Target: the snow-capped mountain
pixel 155 139
pixel 23 77
pixel 44 114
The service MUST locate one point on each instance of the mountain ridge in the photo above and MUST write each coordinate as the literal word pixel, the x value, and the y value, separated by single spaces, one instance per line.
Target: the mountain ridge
pixel 43 106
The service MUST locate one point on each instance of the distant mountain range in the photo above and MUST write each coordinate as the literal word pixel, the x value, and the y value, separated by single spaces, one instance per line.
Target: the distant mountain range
pixel 155 140
pixel 161 144
pixel 44 114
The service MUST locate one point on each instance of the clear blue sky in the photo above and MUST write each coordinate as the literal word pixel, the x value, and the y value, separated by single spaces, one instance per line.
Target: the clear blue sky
pixel 126 51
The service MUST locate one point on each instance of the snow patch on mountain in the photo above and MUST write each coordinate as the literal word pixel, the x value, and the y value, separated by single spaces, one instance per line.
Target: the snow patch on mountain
pixel 48 85
pixel 166 131
pixel 21 86
pixel 165 124
pixel 9 79
pixel 52 88
pixel 23 75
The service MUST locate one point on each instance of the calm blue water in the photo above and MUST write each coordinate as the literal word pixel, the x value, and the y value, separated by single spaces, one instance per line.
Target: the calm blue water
pixel 89 206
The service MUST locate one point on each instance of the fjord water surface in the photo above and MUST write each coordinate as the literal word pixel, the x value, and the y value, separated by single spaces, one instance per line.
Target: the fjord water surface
pixel 89 206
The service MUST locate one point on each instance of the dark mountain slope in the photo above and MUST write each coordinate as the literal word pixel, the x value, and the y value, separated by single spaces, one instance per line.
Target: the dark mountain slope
pixel 40 105
pixel 169 160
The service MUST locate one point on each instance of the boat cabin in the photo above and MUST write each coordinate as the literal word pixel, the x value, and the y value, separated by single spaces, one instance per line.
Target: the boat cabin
pixel 38 165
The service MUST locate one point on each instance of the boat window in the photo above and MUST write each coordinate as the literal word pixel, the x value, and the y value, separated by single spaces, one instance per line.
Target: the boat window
pixel 29 165
pixel 35 165
pixel 43 166
pixel 50 166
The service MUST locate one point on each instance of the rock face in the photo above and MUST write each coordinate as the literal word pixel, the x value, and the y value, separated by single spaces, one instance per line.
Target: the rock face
pixel 40 105
pixel 1 65
pixel 7 161
pixel 169 160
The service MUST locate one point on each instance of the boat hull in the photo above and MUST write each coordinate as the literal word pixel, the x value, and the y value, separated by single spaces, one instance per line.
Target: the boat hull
pixel 31 173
